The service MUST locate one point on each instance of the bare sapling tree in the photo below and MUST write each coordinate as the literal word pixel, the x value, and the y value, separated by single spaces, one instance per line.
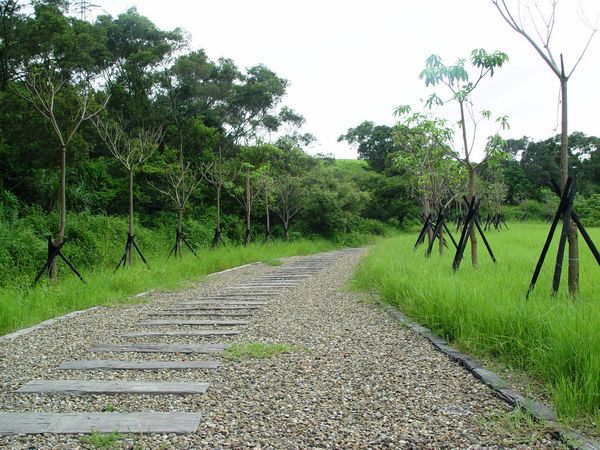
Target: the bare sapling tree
pixel 287 189
pixel 179 185
pixel 537 24
pixel 461 85
pixel 266 184
pixel 246 197
pixel 131 150
pixel 219 173
pixel 65 106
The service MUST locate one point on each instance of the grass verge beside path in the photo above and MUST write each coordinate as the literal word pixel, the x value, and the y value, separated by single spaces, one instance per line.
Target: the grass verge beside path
pixel 484 312
pixel 22 307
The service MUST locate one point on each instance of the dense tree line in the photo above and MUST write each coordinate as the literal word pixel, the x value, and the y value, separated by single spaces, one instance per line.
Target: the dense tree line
pixel 117 117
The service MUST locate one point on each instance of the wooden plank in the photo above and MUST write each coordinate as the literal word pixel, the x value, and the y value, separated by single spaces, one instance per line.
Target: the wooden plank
pixel 197 333
pixel 203 313
pixel 160 348
pixel 227 301
pixel 233 307
pixel 80 387
pixel 88 422
pixel 218 323
pixel 138 365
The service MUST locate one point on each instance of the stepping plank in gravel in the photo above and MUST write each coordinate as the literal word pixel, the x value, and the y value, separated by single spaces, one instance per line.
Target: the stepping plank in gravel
pixel 138 365
pixel 75 423
pixel 79 387
pixel 160 348
pixel 217 308
pixel 192 333
pixel 203 313
pixel 217 323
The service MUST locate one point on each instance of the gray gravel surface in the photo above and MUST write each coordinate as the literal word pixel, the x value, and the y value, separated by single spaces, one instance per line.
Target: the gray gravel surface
pixel 356 378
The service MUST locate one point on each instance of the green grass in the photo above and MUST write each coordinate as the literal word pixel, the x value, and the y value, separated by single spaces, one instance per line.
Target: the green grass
pixel 257 350
pixel 102 440
pixel 23 306
pixel 483 310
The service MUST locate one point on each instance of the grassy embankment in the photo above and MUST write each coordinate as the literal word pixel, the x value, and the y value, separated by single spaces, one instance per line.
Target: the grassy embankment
pixel 484 312
pixel 21 306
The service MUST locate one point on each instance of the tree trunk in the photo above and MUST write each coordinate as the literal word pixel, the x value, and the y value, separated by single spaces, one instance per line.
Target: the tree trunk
pixel 441 242
pixel 426 212
pixel 248 210
pixel 179 230
pixel 63 208
pixel 564 174
pixel 130 249
pixel 286 232
pixel 473 237
pixel 268 219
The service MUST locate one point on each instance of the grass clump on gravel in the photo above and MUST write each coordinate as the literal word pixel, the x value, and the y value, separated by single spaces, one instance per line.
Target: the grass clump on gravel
pixel 483 310
pixel 256 350
pixel 102 440
pixel 22 305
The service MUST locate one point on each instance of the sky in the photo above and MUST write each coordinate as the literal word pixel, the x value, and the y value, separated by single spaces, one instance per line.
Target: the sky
pixel 348 61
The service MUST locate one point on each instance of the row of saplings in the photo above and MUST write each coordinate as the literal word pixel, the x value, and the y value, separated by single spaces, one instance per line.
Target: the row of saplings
pixel 132 150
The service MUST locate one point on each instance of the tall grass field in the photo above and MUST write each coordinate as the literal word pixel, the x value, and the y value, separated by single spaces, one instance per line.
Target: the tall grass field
pixel 21 305
pixel 483 310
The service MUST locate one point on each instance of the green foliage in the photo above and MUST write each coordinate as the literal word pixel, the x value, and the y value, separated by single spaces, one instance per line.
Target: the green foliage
pixel 483 310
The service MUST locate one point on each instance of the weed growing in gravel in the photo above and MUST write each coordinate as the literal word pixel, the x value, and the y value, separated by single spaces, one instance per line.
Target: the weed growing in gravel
pixel 256 350
pixel 103 441
pixel 483 310
pixel 524 430
pixel 109 407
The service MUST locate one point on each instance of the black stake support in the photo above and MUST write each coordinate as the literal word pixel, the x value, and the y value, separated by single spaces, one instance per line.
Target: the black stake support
pixel 427 224
pixel 471 221
pixel 54 251
pixel 179 238
pixel 217 239
pixel 130 243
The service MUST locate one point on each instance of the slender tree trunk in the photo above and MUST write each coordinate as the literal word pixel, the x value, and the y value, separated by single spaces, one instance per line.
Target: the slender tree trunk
pixel 286 231
pixel 573 269
pixel 268 220
pixel 441 242
pixel 179 230
pixel 129 249
pixel 473 237
pixel 248 211
pixel 60 236
pixel 426 212
pixel 218 219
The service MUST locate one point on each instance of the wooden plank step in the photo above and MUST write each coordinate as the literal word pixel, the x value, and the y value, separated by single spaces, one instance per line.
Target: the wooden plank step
pixel 160 348
pixel 89 422
pixel 80 387
pixel 203 313
pixel 218 323
pixel 138 365
pixel 234 307
pixel 191 333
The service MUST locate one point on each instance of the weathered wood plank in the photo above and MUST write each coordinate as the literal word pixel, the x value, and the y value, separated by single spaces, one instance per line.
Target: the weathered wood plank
pixel 233 307
pixel 184 333
pixel 219 323
pixel 66 423
pixel 160 348
pixel 138 365
pixel 203 313
pixel 80 387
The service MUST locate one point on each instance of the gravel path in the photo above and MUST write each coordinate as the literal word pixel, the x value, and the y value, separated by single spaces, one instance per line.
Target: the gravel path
pixel 356 378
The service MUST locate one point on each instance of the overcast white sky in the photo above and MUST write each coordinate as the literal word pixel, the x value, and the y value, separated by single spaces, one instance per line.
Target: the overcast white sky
pixel 349 61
